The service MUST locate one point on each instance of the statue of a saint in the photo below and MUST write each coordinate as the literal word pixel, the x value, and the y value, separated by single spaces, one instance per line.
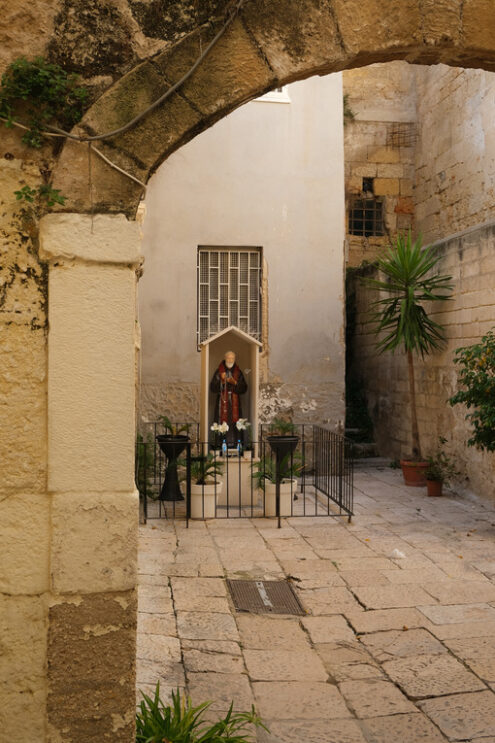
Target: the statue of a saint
pixel 228 382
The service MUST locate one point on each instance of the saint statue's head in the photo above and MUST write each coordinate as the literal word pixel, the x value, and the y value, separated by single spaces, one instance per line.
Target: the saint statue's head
pixel 229 359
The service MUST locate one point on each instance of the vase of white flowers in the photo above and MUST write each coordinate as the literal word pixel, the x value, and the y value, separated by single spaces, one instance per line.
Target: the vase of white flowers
pixel 245 438
pixel 219 431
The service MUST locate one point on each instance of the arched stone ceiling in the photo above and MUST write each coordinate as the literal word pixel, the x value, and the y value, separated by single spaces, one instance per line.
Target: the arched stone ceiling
pixel 268 44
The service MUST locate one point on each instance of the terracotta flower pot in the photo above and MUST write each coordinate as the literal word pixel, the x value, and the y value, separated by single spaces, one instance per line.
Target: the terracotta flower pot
pixel 434 487
pixel 414 473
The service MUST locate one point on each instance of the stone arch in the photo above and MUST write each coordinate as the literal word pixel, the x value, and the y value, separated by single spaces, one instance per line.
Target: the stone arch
pixel 268 44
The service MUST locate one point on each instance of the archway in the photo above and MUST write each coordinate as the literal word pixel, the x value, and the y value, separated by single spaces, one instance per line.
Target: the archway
pixel 93 263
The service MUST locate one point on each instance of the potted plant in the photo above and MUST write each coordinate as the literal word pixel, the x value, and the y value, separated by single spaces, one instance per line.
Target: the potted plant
pixel 264 474
pixel 439 470
pixel 172 443
pixel 477 376
pixel 402 321
pixel 206 484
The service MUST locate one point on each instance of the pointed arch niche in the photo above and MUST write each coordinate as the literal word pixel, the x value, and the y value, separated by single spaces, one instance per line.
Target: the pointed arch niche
pixel 213 350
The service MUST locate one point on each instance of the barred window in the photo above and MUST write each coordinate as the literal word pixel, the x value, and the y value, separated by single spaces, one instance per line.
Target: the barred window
pixel 365 216
pixel 229 291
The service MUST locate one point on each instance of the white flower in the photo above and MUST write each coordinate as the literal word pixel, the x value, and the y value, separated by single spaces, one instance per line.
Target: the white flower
pixel 224 427
pixel 242 424
pixel 214 427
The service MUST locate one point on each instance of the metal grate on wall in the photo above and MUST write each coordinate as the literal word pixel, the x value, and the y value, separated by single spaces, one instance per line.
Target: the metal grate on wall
pixel 365 216
pixel 229 291
pixel 401 134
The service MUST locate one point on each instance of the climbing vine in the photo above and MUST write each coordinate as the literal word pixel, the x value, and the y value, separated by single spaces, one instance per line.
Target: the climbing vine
pixel 40 93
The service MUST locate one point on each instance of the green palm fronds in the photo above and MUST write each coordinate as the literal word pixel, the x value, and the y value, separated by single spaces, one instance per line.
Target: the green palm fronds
pixel 408 282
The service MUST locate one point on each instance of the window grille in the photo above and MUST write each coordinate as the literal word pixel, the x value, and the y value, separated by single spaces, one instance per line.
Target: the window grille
pixel 401 134
pixel 229 291
pixel 365 216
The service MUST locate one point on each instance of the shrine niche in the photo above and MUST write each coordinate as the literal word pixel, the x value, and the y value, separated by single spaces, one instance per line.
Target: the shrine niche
pixel 213 351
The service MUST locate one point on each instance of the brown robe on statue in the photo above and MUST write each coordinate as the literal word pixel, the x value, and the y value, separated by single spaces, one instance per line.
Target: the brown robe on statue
pixel 228 404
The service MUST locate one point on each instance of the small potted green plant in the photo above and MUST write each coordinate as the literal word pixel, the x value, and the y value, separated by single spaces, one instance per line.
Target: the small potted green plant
pixel 403 321
pixel 440 469
pixel 264 474
pixel 173 429
pixel 206 485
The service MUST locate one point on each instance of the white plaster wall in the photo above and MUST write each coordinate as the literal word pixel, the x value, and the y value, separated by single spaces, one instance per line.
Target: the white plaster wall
pixel 270 175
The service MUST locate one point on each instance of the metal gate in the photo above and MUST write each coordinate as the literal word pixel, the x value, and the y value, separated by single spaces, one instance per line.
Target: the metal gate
pixel 314 480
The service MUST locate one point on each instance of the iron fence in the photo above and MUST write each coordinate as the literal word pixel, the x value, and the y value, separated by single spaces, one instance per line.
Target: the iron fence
pixel 314 480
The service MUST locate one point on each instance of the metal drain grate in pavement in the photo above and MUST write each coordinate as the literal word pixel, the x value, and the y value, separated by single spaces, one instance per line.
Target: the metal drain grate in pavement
pixel 264 597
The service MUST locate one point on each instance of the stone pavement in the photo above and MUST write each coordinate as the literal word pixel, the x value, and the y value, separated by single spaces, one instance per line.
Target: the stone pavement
pixel 392 649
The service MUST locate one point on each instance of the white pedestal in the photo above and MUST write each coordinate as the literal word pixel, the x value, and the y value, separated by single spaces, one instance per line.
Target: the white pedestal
pixel 237 482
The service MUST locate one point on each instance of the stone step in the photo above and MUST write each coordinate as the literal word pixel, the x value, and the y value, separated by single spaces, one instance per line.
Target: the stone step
pixel 372 462
pixel 362 449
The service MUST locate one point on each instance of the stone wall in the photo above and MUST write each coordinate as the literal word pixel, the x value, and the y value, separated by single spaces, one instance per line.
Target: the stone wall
pixel 24 503
pixel 470 259
pixel 455 153
pixel 379 144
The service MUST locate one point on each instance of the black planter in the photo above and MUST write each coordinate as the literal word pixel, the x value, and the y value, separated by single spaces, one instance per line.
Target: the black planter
pixel 282 445
pixel 172 447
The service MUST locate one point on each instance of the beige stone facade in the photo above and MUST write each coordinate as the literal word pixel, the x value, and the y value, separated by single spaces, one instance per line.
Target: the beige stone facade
pixel 269 177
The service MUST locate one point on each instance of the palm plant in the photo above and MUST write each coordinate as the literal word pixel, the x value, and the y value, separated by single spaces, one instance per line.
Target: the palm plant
pixel 401 317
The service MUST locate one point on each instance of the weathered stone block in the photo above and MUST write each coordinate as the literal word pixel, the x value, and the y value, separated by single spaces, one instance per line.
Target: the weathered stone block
pixel 24 567
pixel 395 23
pixel 277 28
pixel 91 672
pixel 91 377
pixel 386 187
pixel 386 155
pixel 215 84
pixel 94 542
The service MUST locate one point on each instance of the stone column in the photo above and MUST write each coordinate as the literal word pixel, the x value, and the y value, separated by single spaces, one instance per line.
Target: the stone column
pixel 94 504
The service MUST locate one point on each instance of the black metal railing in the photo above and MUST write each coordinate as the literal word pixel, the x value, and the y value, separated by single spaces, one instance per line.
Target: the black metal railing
pixel 314 480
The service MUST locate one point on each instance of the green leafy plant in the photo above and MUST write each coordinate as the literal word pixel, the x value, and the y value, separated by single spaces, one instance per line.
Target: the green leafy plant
pixel 181 722
pixel 205 469
pixel 476 373
pixel 265 468
pixel 145 460
pixel 441 467
pixel 174 429
pixel 401 318
pixel 281 427
pixel 40 93
pixel 42 195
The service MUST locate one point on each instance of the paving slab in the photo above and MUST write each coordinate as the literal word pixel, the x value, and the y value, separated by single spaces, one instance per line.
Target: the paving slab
pixel 463 716
pixel 284 665
pixel 312 731
pixel 412 728
pixel 478 653
pixel 268 632
pixel 287 700
pixel 221 689
pixel 402 643
pixel 390 649
pixel 391 597
pixel 204 626
pixel 327 629
pixel 431 675
pixel 348 661
pixel 385 619
pixel 375 698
